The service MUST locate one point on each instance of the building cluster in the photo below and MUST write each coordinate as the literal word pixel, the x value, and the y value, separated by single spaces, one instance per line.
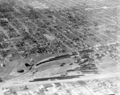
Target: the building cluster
pixel 25 28
pixel 112 50
pixel 105 86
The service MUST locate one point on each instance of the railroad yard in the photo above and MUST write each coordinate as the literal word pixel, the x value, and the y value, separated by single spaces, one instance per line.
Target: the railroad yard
pixel 49 38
